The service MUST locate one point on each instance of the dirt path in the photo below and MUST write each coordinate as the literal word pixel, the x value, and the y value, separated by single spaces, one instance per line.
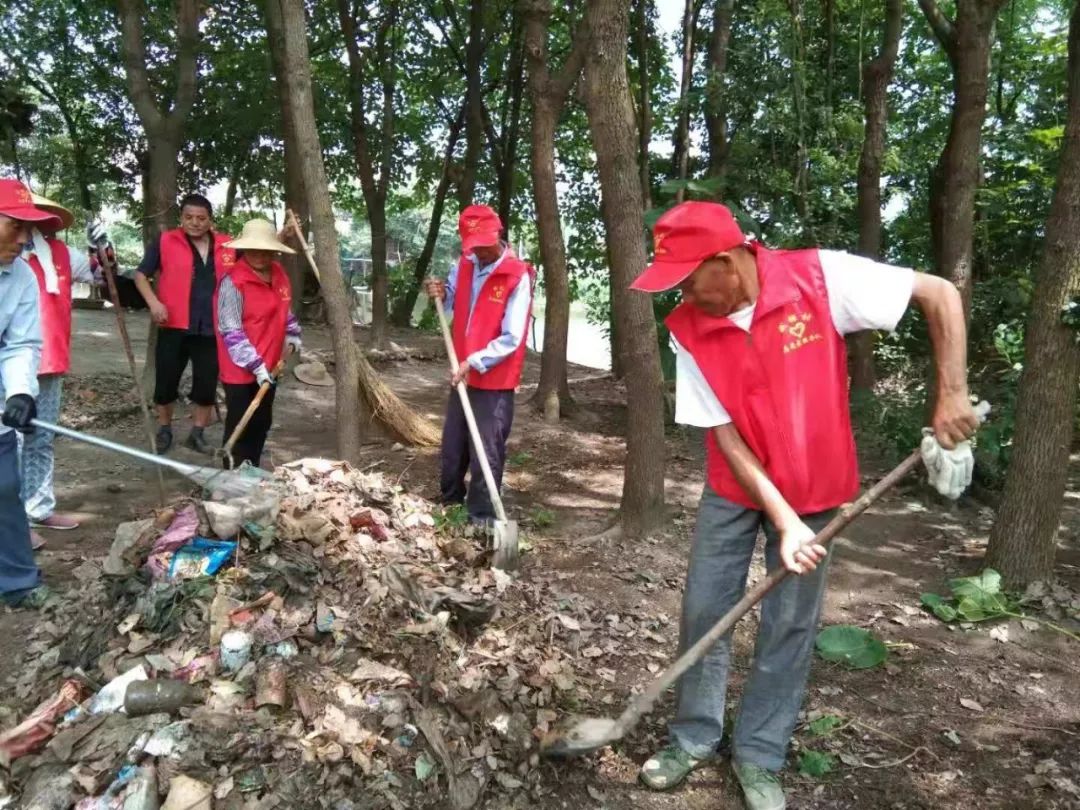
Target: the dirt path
pixel 911 743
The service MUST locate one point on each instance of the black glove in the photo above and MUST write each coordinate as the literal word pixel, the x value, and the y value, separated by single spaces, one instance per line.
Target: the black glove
pixel 18 412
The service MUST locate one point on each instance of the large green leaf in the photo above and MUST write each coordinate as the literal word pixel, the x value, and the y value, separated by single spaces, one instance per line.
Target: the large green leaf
pixel 979 597
pixel 852 646
pixel 815 763
pixel 942 609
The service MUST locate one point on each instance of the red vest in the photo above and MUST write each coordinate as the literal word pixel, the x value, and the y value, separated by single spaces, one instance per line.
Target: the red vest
pixel 474 333
pixel 55 311
pixel 784 385
pixel 177 268
pixel 266 312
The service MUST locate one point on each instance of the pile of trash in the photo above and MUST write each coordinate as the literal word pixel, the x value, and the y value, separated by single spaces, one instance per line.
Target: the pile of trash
pixel 326 641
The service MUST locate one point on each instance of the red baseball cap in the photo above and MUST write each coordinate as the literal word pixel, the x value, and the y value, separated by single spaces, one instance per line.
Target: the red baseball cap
pixel 683 238
pixel 478 226
pixel 17 203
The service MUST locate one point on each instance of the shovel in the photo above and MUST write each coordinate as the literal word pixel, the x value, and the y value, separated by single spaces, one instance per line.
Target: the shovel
pixel 593 733
pixel 505 531
pixel 222 483
pixel 238 431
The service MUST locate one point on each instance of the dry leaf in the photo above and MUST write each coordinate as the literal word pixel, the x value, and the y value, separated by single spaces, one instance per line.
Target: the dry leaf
pixel 970 704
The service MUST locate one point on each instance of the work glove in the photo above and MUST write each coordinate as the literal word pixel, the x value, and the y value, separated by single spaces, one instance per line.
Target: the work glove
pixel 294 343
pixel 949 471
pixel 96 234
pixel 263 375
pixel 18 411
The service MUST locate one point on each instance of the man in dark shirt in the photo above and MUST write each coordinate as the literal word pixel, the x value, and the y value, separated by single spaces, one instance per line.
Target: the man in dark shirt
pixel 187 262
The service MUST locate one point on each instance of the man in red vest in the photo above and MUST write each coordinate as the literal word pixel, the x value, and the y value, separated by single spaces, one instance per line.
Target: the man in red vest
pixel 489 290
pixel 56 267
pixel 762 366
pixel 190 260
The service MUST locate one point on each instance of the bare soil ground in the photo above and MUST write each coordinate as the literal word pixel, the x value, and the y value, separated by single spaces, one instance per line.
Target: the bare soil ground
pixel 909 742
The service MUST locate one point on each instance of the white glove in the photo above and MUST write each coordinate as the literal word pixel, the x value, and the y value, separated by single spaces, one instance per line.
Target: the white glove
pixel 96 234
pixel 949 471
pixel 262 375
pixel 293 342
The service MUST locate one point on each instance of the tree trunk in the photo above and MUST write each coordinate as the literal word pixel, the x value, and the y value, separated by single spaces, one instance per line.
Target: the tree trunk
pixel 289 17
pixel 1023 540
pixel 645 116
pixel 715 103
pixel 474 115
pixel 680 154
pixel 877 73
pixel 549 94
pixel 955 178
pixel 610 110
pixel 234 186
pixel 511 127
pixel 403 309
pixel 801 184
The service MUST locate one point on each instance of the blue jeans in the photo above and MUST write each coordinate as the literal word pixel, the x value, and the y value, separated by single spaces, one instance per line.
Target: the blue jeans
pixel 18 571
pixel 724 540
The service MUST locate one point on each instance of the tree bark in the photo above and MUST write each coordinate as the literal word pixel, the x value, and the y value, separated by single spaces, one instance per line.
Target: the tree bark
pixel 610 110
pixel 288 16
pixel 955 178
pixel 510 131
pixel 549 94
pixel 1023 539
pixel 474 115
pixel 680 155
pixel 645 115
pixel 801 184
pixel 715 103
pixel 402 315
pixel 877 73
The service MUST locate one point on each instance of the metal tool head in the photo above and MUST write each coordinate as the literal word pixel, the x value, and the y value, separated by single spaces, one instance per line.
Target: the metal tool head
pixel 585 736
pixel 505 543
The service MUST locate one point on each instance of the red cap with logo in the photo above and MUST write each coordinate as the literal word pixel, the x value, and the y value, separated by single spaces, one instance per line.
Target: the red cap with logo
pixel 16 202
pixel 478 226
pixel 683 238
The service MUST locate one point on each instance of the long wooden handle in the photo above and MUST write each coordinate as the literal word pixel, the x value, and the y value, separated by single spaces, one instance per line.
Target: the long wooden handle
pixel 291 220
pixel 251 408
pixel 643 703
pixel 470 418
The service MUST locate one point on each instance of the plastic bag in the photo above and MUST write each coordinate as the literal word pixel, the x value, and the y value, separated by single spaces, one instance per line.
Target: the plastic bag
pixel 201 557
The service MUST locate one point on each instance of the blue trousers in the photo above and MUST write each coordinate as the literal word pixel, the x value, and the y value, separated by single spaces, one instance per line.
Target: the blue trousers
pixel 724 540
pixel 18 571
pixel 494 411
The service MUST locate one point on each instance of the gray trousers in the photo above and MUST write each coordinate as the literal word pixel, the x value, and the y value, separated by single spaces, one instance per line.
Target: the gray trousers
pixel 37 451
pixel 724 542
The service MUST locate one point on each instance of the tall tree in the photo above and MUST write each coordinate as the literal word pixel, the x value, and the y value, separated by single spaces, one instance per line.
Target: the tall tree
pixel 715 106
pixel 610 110
pixel 801 184
pixel 380 58
pixel 163 114
pixel 1023 539
pixel 474 101
pixel 966 40
pixel 549 91
pixel 876 75
pixel 642 24
pixel 680 154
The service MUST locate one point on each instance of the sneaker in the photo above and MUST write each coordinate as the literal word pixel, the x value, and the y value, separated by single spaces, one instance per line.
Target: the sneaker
pixel 34 599
pixel 197 442
pixel 163 441
pixel 61 523
pixel 668 767
pixel 761 789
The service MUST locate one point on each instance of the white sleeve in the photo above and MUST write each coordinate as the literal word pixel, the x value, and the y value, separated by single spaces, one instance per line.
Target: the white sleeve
pixel 864 294
pixel 80 266
pixel 695 403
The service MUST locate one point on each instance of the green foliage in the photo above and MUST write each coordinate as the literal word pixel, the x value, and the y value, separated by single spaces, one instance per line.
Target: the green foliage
pixel 542 518
pixel 451 518
pixel 816 764
pixel 825 725
pixel 854 647
pixel 974 599
pixel 519 458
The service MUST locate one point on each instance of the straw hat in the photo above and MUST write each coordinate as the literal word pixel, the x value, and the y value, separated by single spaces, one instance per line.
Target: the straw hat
pixel 313 373
pixel 57 210
pixel 258 234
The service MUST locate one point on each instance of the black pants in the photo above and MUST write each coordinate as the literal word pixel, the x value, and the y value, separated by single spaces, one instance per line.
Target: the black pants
pixel 249 446
pixel 175 347
pixel 494 411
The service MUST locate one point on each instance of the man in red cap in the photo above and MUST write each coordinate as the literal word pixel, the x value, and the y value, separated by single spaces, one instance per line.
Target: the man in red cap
pixel 20 353
pixel 489 291
pixel 761 365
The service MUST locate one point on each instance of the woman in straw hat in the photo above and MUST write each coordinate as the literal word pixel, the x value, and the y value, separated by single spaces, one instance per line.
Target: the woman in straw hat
pixel 254 326
pixel 56 266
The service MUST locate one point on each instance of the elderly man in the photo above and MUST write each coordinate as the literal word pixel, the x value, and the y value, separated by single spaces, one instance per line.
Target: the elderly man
pixel 20 352
pixel 188 261
pixel 56 266
pixel 489 291
pixel 761 365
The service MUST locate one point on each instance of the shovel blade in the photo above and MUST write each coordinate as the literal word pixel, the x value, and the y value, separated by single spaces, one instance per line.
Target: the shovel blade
pixel 505 544
pixel 583 737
